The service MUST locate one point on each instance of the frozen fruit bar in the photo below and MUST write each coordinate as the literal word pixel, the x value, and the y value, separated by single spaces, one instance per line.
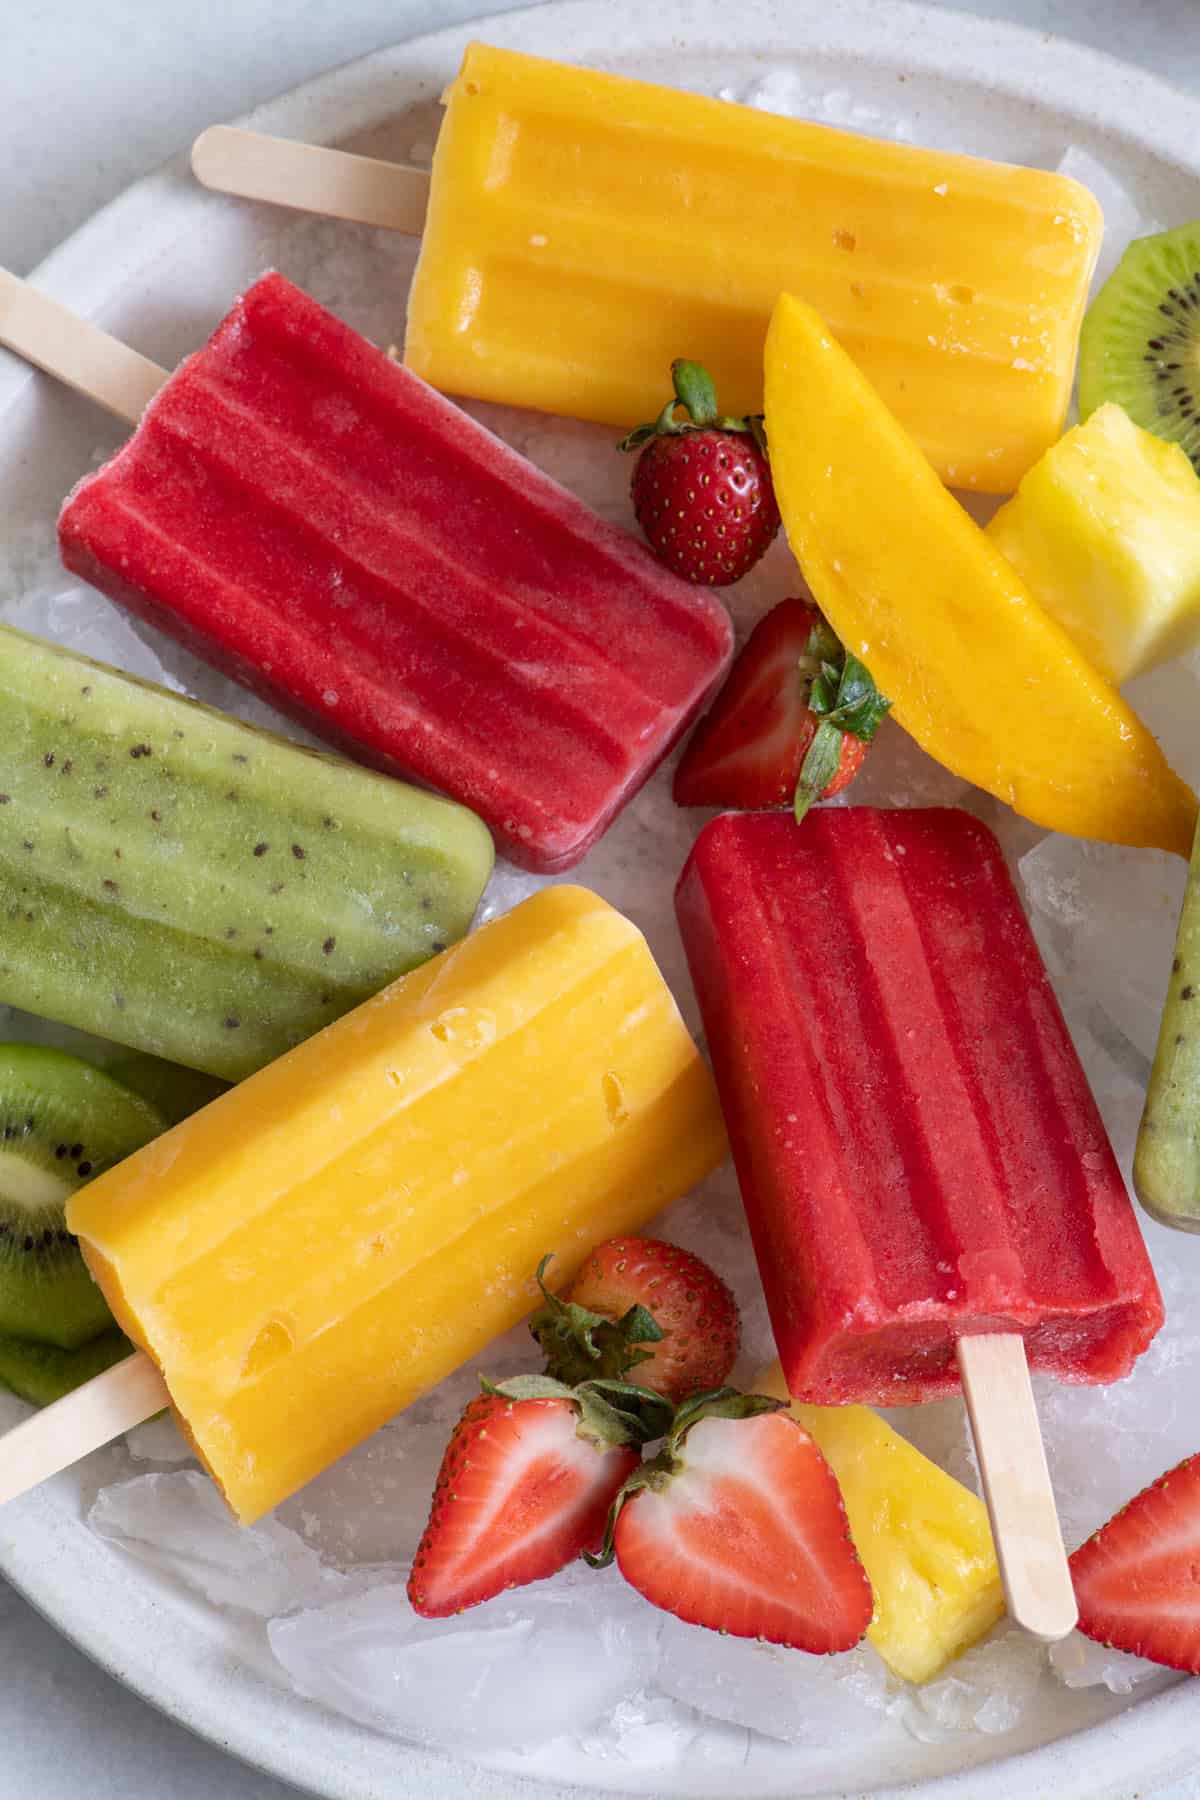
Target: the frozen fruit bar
pixel 328 1240
pixel 919 1153
pixel 317 522
pixel 179 882
pixel 924 1539
pixel 584 229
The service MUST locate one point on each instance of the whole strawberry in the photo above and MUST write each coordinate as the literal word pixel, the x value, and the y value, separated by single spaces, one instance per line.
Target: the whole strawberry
pixel 645 1305
pixel 702 487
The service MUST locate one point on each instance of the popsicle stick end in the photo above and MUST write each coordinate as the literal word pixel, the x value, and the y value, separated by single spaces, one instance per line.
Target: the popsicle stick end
pixel 1016 1484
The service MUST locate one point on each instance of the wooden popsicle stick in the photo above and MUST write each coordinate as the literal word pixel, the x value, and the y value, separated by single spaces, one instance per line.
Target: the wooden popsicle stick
pixel 55 339
pixel 102 1409
pixel 311 179
pixel 1016 1484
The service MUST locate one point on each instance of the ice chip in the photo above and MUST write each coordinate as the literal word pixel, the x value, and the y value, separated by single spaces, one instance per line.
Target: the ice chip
pixel 1080 1663
pixel 531 1665
pixel 647 1730
pixel 91 625
pixel 179 1523
pixel 811 1700
pixel 785 91
pixel 1168 699
pixel 158 1441
pixel 1106 1444
pixel 1125 215
pixel 1105 919
pixel 899 773
pixel 988 1689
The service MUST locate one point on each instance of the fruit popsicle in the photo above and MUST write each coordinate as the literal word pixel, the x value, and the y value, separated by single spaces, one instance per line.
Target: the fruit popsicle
pixel 177 881
pixel 584 228
pixel 919 1153
pixel 1166 1165
pixel 924 1539
pixel 984 679
pixel 316 521
pixel 325 1242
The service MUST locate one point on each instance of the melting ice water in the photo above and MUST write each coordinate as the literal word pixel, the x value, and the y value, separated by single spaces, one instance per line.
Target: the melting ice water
pixel 328 1572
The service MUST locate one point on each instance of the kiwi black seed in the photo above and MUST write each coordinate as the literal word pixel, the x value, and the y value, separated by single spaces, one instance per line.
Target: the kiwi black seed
pixel 42 1372
pixel 1140 345
pixel 62 1122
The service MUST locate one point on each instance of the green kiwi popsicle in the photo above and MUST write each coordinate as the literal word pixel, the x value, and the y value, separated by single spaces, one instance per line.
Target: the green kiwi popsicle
pixel 197 889
pixel 1166 1168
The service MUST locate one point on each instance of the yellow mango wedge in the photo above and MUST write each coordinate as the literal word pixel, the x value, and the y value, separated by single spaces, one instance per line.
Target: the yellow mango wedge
pixel 924 1539
pixel 977 672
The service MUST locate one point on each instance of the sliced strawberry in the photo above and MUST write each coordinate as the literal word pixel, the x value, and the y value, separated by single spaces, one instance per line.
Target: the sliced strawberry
pixel 640 1303
pixel 758 746
pixel 525 1486
pixel 739 1525
pixel 1138 1579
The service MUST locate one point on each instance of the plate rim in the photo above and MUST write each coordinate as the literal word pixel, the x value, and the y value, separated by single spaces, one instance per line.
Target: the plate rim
pixel 1024 64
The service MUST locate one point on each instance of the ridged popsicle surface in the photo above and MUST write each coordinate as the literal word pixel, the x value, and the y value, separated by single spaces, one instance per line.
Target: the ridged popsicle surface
pixel 918 1149
pixel 328 1240
pixel 584 229
pixel 313 519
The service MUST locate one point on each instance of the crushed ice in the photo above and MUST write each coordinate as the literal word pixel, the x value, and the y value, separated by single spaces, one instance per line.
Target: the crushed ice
pixel 180 1525
pixel 549 1661
pixel 809 1700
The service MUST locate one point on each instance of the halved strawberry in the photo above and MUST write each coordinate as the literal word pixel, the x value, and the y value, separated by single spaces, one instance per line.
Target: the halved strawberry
pixel 739 1525
pixel 790 726
pixel 1138 1579
pixel 526 1483
pixel 645 1304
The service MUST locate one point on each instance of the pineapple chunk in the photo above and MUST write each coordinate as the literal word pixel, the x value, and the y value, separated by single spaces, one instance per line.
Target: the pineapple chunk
pixel 1105 532
pixel 924 1539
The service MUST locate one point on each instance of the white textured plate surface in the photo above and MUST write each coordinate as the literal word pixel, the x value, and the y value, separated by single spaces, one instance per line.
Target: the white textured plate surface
pixel 158 267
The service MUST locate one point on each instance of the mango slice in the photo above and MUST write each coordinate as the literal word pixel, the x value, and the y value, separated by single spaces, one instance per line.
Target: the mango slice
pixel 978 673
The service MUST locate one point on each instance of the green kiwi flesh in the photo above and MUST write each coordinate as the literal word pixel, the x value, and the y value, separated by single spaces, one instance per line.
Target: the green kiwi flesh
pixel 1140 344
pixel 62 1122
pixel 41 1373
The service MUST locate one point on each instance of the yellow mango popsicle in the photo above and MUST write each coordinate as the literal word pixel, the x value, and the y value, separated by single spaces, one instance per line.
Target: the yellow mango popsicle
pixel 584 229
pixel 327 1241
pixel 977 672
pixel 924 1539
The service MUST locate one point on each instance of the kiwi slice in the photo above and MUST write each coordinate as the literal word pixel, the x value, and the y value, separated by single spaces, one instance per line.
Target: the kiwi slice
pixel 61 1123
pixel 42 1372
pixel 1140 344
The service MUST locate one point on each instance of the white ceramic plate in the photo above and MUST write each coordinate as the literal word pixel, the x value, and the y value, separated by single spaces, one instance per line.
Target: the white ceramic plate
pixel 158 267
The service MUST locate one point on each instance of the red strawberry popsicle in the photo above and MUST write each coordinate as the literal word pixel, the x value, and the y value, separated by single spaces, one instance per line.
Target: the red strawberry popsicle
pixel 314 520
pixel 919 1153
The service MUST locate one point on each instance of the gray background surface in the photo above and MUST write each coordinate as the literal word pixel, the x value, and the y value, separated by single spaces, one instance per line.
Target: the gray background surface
pixel 94 93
